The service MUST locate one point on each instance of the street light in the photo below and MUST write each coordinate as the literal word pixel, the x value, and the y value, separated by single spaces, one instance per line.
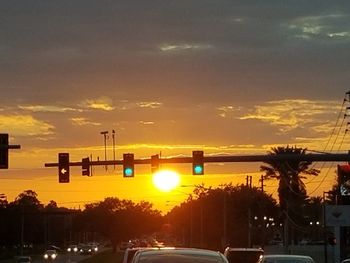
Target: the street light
pixel 113 138
pixel 105 137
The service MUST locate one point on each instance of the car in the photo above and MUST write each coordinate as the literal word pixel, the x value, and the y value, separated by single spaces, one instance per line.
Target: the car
pixel 286 259
pixel 130 252
pixel 73 248
pixel 94 246
pixel 50 254
pixel 347 260
pixel 179 255
pixel 24 259
pixel 248 255
pixel 86 250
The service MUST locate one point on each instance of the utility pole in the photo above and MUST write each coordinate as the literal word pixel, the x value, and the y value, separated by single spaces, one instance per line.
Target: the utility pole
pixel 249 181
pixel 262 183
pixel 225 220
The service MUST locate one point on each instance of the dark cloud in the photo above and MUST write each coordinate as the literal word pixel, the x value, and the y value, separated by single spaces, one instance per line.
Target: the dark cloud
pixel 180 53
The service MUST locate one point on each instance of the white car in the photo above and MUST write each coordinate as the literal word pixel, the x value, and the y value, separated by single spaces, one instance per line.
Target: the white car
pixel 179 255
pixel 286 259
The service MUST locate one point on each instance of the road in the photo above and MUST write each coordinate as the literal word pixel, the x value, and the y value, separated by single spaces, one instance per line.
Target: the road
pixel 64 258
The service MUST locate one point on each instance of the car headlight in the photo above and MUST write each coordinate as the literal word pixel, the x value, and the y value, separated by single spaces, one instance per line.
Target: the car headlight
pixel 53 256
pixel 95 248
pixel 75 249
pixel 69 249
pixel 46 256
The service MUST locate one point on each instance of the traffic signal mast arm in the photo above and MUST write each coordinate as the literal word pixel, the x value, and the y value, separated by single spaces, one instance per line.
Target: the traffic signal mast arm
pixel 227 159
pixel 14 146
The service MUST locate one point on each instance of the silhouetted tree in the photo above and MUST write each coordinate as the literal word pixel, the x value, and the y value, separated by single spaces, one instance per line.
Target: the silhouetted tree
pixel 291 189
pixel 119 220
pixel 205 214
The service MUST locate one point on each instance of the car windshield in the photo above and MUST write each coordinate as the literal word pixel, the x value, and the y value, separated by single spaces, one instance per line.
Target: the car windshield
pixel 24 259
pixel 177 258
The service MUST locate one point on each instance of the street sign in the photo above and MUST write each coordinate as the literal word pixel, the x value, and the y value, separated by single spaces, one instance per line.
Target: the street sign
pixel 337 215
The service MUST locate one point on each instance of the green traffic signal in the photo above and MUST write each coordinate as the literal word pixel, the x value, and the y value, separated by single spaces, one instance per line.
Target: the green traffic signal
pixel 198 169
pixel 197 163
pixel 128 165
pixel 128 172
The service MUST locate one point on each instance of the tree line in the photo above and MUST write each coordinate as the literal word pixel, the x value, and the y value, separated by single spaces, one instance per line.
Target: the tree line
pixel 235 215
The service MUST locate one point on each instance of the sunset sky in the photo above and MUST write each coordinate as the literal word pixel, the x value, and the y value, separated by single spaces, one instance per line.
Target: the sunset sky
pixel 225 77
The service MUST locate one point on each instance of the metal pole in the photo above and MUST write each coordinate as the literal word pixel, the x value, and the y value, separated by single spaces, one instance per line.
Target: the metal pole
pixel 324 228
pixel 191 221
pixel 22 231
pixel 225 220
pixel 202 229
pixel 104 133
pixel 249 227
pixel 113 137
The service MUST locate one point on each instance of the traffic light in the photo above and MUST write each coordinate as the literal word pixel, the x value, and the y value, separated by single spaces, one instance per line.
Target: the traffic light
pixel 128 165
pixel 63 167
pixel 4 151
pixel 85 166
pixel 154 163
pixel 343 173
pixel 197 163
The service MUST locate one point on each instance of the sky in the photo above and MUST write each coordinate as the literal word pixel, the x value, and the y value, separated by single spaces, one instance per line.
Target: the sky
pixel 169 77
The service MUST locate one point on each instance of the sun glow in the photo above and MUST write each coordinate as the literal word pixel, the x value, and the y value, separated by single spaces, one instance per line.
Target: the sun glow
pixel 166 180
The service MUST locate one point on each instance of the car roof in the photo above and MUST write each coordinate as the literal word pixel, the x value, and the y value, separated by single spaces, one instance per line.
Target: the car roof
pixel 244 249
pixel 193 251
pixel 286 256
pixel 51 251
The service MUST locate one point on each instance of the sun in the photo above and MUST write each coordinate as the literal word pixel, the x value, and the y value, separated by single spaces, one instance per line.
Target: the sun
pixel 166 180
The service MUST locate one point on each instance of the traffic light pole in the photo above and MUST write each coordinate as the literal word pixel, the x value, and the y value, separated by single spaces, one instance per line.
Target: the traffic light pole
pixel 4 148
pixel 228 159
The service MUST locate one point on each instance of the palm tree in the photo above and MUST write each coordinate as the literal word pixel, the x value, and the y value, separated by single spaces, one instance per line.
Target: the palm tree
pixel 291 189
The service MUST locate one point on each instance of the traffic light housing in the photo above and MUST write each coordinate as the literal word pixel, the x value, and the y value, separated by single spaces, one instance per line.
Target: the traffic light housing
pixel 63 168
pixel 197 163
pixel 85 166
pixel 128 165
pixel 4 151
pixel 154 163
pixel 343 173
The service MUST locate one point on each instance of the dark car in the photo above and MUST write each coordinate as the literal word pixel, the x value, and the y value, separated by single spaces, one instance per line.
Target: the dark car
pixel 246 255
pixel 24 259
pixel 50 254
pixel 86 250
pixel 72 248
